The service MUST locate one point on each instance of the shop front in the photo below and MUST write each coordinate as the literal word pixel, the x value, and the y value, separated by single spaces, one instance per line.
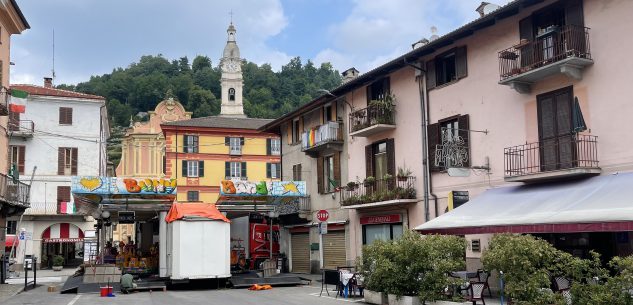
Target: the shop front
pixel 64 240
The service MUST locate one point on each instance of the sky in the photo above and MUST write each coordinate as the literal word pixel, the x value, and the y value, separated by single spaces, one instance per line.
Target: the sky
pixel 93 37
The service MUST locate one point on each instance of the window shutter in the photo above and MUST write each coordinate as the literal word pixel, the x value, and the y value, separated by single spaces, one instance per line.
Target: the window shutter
pixel 320 175
pixel 195 143
pixel 244 170
pixel 334 118
pixel 434 139
pixel 69 115
pixel 60 161
pixel 525 28
pixel 391 157
pixel 74 158
pixel 300 128
pixel 369 160
pixel 461 65
pixel 574 13
pixel 464 133
pixel 62 115
pixel 322 115
pixel 289 133
pixel 268 173
pixel 278 169
pixel 268 147
pixel 185 146
pixel 21 153
pixel 184 168
pixel 299 173
pixel 227 141
pixel 201 168
pixel 337 168
pixel 227 169
pixel 431 79
pixel 242 141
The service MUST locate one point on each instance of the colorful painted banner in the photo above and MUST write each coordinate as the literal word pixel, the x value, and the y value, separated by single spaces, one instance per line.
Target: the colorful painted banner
pixel 123 186
pixel 237 187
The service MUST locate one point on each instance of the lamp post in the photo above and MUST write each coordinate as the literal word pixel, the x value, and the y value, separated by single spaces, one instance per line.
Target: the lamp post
pixel 336 98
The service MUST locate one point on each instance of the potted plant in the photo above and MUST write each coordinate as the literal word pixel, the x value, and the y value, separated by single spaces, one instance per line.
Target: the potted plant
pixel 403 173
pixel 387 177
pixel 369 181
pixel 58 263
pixel 352 185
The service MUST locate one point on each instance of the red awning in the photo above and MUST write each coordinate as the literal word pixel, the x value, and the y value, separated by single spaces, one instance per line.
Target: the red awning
pixel 62 233
pixel 205 210
pixel 9 241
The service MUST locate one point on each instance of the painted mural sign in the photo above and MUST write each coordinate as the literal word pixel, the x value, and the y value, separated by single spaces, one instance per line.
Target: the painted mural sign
pixel 236 187
pixel 123 186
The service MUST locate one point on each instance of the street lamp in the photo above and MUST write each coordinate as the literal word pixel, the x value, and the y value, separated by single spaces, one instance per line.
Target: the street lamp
pixel 271 215
pixel 327 92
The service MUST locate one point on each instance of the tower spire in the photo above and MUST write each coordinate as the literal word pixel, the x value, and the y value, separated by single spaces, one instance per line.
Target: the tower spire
pixel 231 81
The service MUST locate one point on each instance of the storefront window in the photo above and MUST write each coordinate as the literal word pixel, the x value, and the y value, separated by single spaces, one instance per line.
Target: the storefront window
pixel 381 232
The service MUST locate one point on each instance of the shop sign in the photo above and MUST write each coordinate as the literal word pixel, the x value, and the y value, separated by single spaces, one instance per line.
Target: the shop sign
pixel 378 219
pixel 123 186
pixel 323 228
pixel 126 217
pixel 322 215
pixel 62 240
pixel 237 187
pixel 26 235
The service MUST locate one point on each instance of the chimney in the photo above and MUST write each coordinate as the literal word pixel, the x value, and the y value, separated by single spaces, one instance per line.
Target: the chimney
pixel 350 74
pixel 48 82
pixel 486 8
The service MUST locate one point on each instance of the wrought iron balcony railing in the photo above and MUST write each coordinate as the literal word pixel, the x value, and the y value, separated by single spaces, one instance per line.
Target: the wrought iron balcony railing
pixel 386 189
pixel 370 116
pixel 22 127
pixel 552 45
pixel 561 153
pixel 14 192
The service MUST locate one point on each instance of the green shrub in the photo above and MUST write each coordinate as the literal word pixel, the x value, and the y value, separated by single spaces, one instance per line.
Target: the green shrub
pixel 58 260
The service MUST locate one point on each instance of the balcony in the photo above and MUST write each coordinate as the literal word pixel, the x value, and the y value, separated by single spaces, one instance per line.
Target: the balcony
pixel 371 120
pixel 564 157
pixel 22 128
pixel 556 50
pixel 380 192
pixel 235 150
pixel 14 193
pixel 42 208
pixel 323 139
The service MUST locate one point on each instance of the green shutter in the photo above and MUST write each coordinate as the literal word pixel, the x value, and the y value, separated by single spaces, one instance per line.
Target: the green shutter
pixel 268 171
pixel 244 170
pixel 200 168
pixel 227 169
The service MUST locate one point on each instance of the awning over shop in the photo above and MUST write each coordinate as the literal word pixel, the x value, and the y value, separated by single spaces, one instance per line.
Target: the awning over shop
pixel 8 243
pixel 597 204
pixel 184 210
pixel 62 233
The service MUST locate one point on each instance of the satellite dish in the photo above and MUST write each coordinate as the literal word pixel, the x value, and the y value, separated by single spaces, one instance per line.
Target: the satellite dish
pixel 458 172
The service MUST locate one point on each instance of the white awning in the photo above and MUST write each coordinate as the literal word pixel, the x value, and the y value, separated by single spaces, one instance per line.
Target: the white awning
pixel 597 204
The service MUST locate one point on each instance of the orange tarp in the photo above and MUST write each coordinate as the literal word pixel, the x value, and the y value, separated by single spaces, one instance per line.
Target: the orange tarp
pixel 180 210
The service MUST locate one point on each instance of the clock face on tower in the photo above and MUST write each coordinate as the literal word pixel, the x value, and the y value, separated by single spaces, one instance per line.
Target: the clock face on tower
pixel 232 66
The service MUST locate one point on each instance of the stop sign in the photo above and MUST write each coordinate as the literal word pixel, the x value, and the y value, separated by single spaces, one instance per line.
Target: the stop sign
pixel 322 215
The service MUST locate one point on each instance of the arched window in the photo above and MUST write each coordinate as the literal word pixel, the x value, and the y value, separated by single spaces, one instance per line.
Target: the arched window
pixel 231 94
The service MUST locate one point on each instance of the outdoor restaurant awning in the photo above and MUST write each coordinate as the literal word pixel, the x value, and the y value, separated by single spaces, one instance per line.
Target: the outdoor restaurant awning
pixel 8 243
pixel 597 204
pixel 62 233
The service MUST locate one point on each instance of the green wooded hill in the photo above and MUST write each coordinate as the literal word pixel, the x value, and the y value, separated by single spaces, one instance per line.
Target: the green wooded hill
pixel 267 94
pixel 143 84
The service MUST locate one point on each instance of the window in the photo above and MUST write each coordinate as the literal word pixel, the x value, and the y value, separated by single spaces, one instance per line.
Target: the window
pixel 235 145
pixel 273 170
pixel 63 196
pixel 378 89
pixel 447 67
pixel 17 157
pixel 12 227
pixel 449 140
pixel 65 116
pixel 380 159
pixel 193 196
pixel 328 174
pixel 296 132
pixel 67 161
pixel 296 172
pixel 383 232
pixel 235 170
pixel 273 147
pixel 192 169
pixel 231 94
pixel 556 129
pixel 328 115
pixel 191 144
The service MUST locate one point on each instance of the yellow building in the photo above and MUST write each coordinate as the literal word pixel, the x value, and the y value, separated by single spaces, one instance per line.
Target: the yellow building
pixel 202 152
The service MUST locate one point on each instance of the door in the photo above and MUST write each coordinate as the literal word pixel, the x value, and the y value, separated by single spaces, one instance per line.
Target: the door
pixel 300 252
pixel 556 138
pixel 334 249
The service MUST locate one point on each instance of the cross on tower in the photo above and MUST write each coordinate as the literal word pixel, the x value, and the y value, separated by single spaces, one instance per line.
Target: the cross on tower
pixel 231 13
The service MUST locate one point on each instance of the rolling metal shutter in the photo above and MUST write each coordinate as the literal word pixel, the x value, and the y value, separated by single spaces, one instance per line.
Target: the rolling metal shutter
pixel 334 249
pixel 300 251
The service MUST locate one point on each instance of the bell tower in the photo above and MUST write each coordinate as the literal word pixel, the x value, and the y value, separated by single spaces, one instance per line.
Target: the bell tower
pixel 231 82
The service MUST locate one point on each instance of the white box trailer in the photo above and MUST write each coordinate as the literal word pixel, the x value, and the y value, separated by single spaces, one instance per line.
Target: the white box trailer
pixel 197 247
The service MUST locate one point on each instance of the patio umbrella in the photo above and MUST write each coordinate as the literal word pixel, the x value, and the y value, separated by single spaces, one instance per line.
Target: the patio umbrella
pixel 577 119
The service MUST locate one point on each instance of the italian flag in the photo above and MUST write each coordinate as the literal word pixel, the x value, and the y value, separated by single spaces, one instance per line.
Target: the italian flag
pixel 67 208
pixel 18 101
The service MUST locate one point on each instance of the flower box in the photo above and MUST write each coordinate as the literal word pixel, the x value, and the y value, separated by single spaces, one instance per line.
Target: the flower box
pixel 375 297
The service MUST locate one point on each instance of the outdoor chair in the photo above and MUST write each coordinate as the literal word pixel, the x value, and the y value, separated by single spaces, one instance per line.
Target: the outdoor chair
pixel 567 296
pixel 561 283
pixel 482 277
pixel 476 292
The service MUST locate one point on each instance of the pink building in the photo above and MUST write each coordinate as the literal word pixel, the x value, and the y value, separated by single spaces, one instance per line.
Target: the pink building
pixel 518 113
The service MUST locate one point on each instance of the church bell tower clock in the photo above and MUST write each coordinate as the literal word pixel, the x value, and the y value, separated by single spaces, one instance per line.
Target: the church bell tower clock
pixel 231 82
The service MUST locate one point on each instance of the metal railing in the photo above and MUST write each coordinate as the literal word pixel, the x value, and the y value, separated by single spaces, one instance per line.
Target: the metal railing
pixel 552 45
pixel 22 126
pixel 14 192
pixel 235 150
pixel 564 152
pixel 43 208
pixel 326 133
pixel 370 116
pixel 385 189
